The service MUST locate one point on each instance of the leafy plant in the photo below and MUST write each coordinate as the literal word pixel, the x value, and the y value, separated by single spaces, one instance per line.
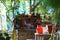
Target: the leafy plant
pixel 55 4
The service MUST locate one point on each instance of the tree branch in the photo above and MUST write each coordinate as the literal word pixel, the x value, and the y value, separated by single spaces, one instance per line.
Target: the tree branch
pixel 9 18
pixel 36 5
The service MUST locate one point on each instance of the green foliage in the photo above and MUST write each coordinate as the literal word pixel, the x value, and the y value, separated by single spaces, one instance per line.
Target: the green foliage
pixel 21 1
pixel 3 34
pixel 57 17
pixel 54 3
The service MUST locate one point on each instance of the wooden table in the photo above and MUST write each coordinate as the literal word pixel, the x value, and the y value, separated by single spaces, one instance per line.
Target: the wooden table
pixel 41 36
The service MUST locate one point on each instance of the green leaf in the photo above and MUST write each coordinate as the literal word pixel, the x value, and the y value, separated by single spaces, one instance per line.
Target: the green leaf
pixel 21 1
